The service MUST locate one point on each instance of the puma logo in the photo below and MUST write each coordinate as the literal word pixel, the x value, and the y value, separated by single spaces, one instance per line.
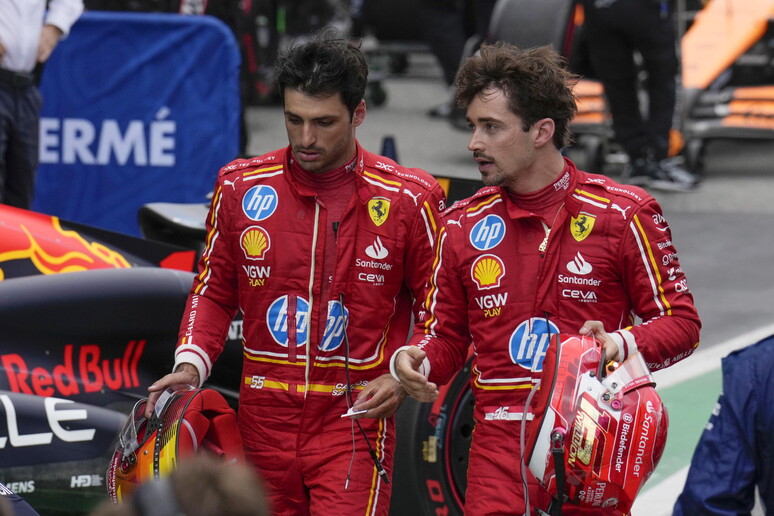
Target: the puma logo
pixel 413 196
pixel 623 211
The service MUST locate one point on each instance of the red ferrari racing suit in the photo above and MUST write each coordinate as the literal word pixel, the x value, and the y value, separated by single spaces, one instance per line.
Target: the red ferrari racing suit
pixel 264 252
pixel 506 281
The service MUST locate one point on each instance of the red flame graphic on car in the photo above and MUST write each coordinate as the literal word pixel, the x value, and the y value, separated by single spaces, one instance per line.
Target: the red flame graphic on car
pixel 50 248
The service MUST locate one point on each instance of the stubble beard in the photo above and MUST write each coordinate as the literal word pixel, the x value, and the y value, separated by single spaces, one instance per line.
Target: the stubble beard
pixel 495 178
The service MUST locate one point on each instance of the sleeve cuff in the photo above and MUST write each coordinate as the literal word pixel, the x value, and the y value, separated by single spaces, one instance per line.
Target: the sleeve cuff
pixel 424 367
pixel 63 15
pixel 190 356
pixel 626 342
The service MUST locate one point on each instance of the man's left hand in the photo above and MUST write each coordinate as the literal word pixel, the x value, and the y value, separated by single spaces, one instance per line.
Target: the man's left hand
pixel 380 398
pixel 597 330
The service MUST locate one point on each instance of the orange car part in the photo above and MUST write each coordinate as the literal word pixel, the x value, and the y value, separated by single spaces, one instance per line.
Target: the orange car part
pixel 721 32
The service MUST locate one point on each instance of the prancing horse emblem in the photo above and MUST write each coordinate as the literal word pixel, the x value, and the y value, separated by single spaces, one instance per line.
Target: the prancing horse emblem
pixel 379 210
pixel 581 226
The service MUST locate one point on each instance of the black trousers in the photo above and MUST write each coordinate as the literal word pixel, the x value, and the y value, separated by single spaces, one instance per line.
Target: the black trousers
pixel 19 148
pixel 447 24
pixel 615 31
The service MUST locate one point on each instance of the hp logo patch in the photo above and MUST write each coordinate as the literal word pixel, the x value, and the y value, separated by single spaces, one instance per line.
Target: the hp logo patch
pixel 529 343
pixel 487 233
pixel 277 320
pixel 335 326
pixel 260 202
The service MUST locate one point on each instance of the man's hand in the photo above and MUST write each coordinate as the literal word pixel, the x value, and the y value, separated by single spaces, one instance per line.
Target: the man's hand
pixel 407 365
pixel 380 398
pixel 185 374
pixel 49 39
pixel 597 330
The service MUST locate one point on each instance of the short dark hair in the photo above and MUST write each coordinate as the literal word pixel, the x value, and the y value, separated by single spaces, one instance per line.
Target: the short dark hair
pixel 327 64
pixel 536 82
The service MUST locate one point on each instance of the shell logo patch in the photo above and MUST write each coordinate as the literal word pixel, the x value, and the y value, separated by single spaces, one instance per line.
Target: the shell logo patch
pixel 487 271
pixel 255 242
pixel 379 210
pixel 581 226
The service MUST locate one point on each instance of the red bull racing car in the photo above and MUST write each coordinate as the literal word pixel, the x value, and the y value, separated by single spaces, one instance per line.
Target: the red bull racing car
pixel 89 320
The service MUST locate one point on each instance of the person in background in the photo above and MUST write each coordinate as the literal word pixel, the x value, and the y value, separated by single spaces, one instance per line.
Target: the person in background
pixel 28 36
pixel 326 249
pixel 11 504
pixel 200 485
pixel 614 31
pixel 452 28
pixel 735 457
pixel 542 249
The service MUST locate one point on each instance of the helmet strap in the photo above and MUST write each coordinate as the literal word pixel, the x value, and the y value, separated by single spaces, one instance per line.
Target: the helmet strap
pixel 557 452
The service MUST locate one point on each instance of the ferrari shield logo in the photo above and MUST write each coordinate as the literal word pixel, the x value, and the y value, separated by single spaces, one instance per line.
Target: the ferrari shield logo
pixel 581 226
pixel 379 210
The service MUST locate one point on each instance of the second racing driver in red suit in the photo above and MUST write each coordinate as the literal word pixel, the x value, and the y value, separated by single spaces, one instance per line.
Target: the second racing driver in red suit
pixel 543 249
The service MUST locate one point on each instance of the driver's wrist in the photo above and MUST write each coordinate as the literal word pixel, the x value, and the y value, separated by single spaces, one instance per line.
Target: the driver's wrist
pixel 393 359
pixel 190 369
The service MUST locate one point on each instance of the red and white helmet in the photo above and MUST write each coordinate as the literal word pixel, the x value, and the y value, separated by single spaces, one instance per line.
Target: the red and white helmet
pixel 599 429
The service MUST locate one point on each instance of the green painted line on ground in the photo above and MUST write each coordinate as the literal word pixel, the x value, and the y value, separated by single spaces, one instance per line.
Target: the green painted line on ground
pixel 689 405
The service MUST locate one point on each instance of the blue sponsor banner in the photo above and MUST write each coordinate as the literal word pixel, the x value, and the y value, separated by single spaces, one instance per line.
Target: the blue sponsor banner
pixel 138 108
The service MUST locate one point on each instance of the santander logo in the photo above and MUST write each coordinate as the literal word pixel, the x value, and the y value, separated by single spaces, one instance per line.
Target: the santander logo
pixel 377 251
pixel 579 265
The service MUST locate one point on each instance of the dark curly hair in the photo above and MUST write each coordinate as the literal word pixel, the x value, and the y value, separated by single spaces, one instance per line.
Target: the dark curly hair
pixel 327 64
pixel 536 81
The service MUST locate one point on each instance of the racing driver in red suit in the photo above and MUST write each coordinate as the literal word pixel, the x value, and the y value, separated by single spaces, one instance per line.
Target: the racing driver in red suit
pixel 326 248
pixel 544 248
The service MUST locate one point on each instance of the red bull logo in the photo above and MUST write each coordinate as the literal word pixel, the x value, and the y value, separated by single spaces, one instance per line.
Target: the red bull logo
pixel 82 369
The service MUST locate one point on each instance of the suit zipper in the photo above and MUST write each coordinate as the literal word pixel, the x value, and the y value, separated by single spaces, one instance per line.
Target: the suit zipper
pixel 544 244
pixel 312 271
pixel 542 248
